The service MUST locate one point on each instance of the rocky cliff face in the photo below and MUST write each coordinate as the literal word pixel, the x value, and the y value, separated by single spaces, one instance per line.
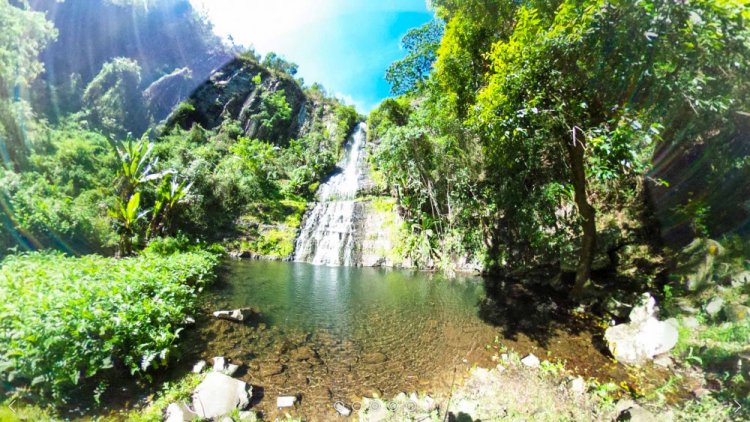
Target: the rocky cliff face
pixel 378 226
pixel 238 91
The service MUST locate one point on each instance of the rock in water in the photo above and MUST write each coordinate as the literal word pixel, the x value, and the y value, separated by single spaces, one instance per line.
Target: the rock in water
pixel 235 315
pixel 531 361
pixel 231 369
pixel 375 357
pixel 643 337
pixel 219 395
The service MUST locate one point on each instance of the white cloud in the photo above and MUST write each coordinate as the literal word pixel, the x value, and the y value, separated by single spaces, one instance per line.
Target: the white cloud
pixel 349 100
pixel 266 24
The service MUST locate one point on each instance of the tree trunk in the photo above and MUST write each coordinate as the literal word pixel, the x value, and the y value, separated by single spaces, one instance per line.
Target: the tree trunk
pixel 576 152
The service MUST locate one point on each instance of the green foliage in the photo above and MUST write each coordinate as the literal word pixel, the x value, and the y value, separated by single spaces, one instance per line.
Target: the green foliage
pixel 278 63
pixel 114 101
pixel 421 46
pixel 554 102
pixel 68 323
pixel 170 193
pixel 274 115
pixel 173 392
pixel 24 35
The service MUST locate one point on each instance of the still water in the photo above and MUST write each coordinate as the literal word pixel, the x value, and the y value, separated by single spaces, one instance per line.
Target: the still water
pixel 339 333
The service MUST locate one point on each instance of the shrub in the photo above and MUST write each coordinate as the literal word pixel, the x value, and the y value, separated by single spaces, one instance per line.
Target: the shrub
pixel 66 323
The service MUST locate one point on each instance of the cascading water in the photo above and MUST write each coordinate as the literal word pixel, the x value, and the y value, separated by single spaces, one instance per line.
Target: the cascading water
pixel 327 236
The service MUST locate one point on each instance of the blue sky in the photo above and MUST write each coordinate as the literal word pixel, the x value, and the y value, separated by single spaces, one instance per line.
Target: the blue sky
pixel 346 45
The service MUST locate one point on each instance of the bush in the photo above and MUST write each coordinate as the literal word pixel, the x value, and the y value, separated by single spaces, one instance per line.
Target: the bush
pixel 66 323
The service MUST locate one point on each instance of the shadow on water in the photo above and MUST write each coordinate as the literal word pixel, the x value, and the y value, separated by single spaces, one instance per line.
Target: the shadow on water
pixel 533 309
pixel 534 317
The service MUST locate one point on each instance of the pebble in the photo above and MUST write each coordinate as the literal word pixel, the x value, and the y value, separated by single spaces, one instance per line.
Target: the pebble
pixel 285 401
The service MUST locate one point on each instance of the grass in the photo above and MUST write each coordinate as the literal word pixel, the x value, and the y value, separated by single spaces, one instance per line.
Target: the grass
pixel 170 393
pixel 69 324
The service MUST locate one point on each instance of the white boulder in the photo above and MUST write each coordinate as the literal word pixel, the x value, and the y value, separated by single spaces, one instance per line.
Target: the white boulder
pixel 219 395
pixel 199 366
pixel 285 401
pixel 643 337
pixel 713 307
pixel 531 361
pixel 179 412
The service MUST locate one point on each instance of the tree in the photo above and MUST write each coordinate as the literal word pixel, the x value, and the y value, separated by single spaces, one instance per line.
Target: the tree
pixel 278 63
pixel 137 167
pixel 23 36
pixel 114 100
pixel 601 83
pixel 421 45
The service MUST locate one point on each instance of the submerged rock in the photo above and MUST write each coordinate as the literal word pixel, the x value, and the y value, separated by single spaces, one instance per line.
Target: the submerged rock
pixel 643 337
pixel 375 357
pixel 219 395
pixel 303 353
pixel 271 368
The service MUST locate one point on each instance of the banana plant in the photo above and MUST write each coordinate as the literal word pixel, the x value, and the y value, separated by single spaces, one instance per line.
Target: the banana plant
pixel 126 216
pixel 171 192
pixel 137 164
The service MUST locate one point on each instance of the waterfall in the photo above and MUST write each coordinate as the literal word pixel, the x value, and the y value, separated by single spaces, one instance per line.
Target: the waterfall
pixel 327 236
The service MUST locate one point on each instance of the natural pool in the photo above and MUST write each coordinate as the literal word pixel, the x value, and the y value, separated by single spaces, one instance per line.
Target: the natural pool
pixel 340 333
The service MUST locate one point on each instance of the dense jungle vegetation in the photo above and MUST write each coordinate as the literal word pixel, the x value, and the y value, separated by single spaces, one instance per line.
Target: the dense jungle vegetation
pixel 93 165
pixel 583 142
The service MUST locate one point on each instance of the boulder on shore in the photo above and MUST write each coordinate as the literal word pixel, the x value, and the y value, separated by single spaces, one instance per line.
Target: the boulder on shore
pixel 179 412
pixel 219 395
pixel 531 361
pixel 643 337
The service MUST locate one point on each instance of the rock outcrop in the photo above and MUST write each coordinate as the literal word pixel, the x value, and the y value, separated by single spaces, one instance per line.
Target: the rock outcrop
pixel 238 90
pixel 643 337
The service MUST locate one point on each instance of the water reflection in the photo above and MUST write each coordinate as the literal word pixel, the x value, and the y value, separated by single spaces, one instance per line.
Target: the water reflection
pixel 338 332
